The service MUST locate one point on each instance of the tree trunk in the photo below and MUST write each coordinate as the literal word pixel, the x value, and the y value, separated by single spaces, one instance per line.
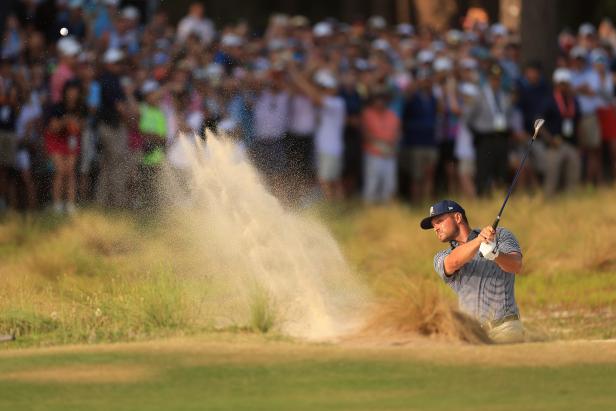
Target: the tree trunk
pixel 403 11
pixel 435 13
pixel 538 30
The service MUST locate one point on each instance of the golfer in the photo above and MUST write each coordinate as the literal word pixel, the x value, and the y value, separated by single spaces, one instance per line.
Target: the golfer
pixel 480 267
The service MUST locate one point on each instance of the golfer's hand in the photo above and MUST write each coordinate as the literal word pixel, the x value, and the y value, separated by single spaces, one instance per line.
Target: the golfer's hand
pixel 488 234
pixel 488 250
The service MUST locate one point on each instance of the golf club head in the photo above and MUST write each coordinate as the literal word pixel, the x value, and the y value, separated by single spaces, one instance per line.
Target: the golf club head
pixel 537 126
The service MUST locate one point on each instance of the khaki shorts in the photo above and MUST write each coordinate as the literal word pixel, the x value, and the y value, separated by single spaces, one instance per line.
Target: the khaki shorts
pixel 8 148
pixel 590 132
pixel 329 167
pixel 415 160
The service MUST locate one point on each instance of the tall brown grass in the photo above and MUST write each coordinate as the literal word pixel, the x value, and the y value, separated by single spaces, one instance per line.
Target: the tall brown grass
pixel 102 277
pixel 417 307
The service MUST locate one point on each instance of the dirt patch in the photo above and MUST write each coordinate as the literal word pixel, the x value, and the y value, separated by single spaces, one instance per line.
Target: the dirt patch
pixel 102 373
pixel 537 354
pixel 252 349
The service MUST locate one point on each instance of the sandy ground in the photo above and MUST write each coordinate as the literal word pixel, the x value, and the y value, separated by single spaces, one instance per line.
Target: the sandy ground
pixel 251 349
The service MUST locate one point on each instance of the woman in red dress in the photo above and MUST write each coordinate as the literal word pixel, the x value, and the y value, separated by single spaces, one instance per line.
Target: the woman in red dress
pixel 62 141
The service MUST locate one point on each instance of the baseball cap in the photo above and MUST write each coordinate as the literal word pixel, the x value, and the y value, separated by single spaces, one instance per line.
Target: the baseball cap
pixel 130 13
pixel 112 56
pixel 425 56
pixel 322 29
pixel 440 208
pixel 149 86
pixel 586 29
pixel 377 22
pixel 442 64
pixel 68 46
pixel 325 79
pixel 405 29
pixel 578 52
pixel 562 75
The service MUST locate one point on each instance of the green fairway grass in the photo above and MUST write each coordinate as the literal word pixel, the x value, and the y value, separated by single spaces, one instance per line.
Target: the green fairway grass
pixel 235 375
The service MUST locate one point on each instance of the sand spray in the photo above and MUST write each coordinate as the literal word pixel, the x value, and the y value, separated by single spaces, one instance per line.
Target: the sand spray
pixel 269 267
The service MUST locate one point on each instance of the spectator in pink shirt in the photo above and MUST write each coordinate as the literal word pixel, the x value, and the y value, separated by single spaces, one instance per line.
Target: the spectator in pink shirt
pixel 381 134
pixel 68 49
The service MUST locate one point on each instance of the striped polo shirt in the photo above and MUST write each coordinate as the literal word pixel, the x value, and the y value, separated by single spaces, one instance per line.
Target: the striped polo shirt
pixel 484 290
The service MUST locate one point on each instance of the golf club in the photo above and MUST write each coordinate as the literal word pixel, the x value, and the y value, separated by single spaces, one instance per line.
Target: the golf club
pixel 537 126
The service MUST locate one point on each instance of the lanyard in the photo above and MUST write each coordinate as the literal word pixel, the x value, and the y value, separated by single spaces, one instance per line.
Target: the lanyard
pixel 565 112
pixel 493 100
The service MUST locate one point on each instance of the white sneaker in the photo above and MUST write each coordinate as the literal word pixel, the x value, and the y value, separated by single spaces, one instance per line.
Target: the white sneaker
pixel 70 208
pixel 57 208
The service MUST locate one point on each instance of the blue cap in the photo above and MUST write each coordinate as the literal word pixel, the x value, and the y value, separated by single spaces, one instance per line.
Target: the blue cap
pixel 440 208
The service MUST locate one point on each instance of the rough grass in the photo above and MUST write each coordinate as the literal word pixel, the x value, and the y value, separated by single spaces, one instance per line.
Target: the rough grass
pixel 414 306
pixel 110 277
pixel 96 277
pixel 567 288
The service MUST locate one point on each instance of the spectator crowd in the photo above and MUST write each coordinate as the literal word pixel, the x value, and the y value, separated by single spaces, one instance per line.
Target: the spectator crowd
pixel 94 95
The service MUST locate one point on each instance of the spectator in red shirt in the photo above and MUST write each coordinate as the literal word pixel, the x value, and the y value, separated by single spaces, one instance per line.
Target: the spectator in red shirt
pixel 62 141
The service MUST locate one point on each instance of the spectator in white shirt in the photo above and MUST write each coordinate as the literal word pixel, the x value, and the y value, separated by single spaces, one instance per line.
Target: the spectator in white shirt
pixel 329 135
pixel 271 114
pixel 196 24
pixel 300 142
pixel 587 84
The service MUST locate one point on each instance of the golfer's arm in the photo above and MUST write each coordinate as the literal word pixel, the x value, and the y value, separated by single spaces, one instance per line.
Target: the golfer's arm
pixel 461 255
pixel 510 263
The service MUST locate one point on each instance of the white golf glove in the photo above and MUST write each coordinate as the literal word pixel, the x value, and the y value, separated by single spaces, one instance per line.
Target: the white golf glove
pixel 489 250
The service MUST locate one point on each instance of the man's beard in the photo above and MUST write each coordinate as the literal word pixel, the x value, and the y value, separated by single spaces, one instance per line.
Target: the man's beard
pixel 451 237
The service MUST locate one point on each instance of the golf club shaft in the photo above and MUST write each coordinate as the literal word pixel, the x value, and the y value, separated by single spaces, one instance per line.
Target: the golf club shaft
pixel 515 179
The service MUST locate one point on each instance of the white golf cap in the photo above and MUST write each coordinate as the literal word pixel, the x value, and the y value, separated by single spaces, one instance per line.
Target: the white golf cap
pixel 578 52
pixel 586 29
pixel 469 89
pixel 442 64
pixel 214 71
pixel 322 29
pixel 377 22
pixel 380 44
pixel 227 124
pixel 231 40
pixel 112 56
pixel 425 56
pixel 325 79
pixel 130 13
pixel 498 29
pixel 468 63
pixel 562 75
pixel 68 46
pixel 405 29
pixel 149 86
